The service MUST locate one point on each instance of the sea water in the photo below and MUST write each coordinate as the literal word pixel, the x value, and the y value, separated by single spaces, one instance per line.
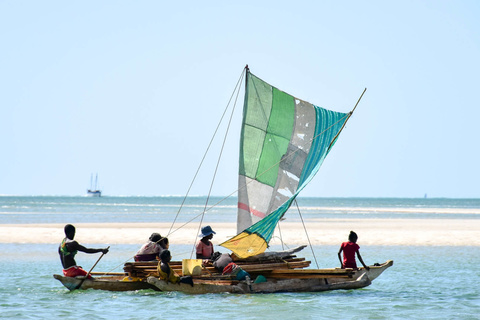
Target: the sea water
pixel 424 282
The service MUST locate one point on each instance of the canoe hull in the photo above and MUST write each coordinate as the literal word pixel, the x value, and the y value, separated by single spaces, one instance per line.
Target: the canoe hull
pixel 361 278
pixel 104 283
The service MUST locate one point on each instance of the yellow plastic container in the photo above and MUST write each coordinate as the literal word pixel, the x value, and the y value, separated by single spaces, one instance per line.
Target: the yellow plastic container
pixel 192 267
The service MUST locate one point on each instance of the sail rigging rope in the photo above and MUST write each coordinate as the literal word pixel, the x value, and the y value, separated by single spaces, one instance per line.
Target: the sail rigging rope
pixel 206 152
pixel 281 238
pixel 219 158
pixel 306 233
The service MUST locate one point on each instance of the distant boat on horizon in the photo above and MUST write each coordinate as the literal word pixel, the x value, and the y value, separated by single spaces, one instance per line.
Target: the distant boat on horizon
pixel 93 191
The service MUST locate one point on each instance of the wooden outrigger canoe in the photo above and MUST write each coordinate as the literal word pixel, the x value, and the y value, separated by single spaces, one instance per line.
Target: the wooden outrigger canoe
pixel 278 280
pixel 287 274
pixel 112 282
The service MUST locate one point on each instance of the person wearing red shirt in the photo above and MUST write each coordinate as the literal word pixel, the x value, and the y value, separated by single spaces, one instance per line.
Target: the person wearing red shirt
pixel 349 249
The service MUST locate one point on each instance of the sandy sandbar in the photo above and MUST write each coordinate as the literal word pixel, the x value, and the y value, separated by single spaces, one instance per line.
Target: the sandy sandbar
pixel 387 232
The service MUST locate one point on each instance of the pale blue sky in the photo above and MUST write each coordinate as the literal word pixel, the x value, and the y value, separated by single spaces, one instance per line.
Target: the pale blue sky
pixel 134 90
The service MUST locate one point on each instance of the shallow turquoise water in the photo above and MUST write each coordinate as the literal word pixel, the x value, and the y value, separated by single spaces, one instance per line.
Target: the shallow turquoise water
pixel 424 282
pixel 51 209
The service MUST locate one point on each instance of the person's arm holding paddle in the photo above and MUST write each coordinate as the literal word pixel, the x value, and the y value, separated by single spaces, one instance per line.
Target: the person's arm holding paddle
pixel 77 246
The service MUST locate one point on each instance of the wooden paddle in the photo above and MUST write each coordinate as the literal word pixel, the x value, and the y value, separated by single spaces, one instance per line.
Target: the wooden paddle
pixel 88 273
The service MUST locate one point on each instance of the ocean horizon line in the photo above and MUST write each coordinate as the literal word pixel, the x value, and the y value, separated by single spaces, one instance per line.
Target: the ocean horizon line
pixel 231 196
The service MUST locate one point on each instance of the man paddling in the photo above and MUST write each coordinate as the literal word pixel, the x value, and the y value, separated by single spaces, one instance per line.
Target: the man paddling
pixel 67 251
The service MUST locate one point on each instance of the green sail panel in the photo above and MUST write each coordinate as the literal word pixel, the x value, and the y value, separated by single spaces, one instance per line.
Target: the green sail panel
pixel 284 141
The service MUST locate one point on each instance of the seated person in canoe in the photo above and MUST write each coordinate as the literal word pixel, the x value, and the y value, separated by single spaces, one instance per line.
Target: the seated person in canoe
pixel 349 249
pixel 151 250
pixel 167 274
pixel 204 247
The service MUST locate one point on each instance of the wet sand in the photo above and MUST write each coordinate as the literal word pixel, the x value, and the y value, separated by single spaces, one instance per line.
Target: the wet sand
pixel 387 232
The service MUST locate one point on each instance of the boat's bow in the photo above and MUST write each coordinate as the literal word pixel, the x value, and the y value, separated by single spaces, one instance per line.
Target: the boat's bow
pixel 70 283
pixel 114 283
pixel 376 270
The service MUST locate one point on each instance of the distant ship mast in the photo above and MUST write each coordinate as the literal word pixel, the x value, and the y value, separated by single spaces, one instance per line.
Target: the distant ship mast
pixel 94 192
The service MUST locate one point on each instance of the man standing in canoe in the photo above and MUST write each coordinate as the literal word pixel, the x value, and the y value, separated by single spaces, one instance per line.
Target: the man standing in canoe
pixel 67 251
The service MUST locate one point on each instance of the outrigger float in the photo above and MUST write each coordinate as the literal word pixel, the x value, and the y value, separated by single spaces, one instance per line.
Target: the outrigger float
pixel 279 280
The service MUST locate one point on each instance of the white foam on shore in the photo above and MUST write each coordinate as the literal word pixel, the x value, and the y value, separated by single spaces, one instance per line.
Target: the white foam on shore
pixel 396 210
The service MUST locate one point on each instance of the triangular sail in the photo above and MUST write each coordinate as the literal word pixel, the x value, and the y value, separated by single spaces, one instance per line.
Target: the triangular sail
pixel 284 141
